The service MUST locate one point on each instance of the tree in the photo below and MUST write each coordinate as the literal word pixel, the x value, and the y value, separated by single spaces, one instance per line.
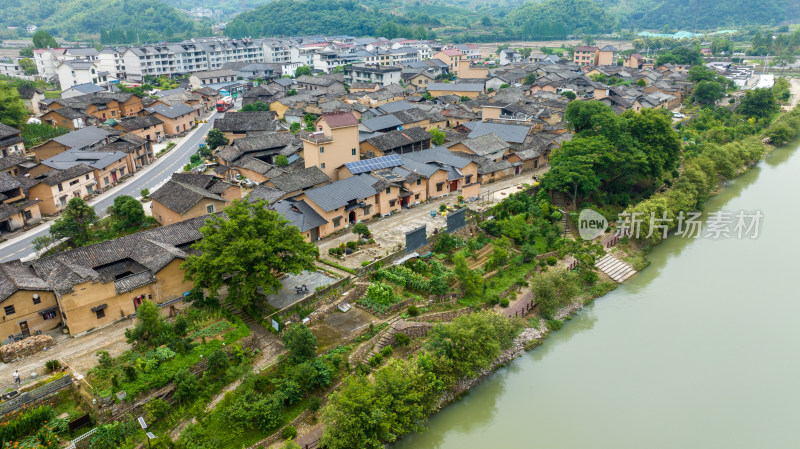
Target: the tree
pixel 361 229
pixel 530 78
pixel 570 95
pixel 127 213
pixel 302 70
pixel 75 222
pixel 707 92
pixel 553 289
pixel 486 21
pixel 216 139
pixel 437 136
pixel 149 323
pixel 12 108
pixel 257 106
pixel 43 39
pixel 291 93
pixel 247 250
pixel 758 103
pixel 28 66
pixel 572 167
pixel 588 39
pixel 186 385
pixel 295 127
pixel 300 343
pixel 281 160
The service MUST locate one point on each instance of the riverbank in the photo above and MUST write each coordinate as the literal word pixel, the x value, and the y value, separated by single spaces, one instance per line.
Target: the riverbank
pixel 532 337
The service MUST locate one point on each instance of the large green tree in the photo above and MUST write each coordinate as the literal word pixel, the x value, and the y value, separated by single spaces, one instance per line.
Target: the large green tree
pixel 300 343
pixel 246 250
pixel 572 169
pixel 708 92
pixel 75 222
pixel 302 70
pixel 127 213
pixel 43 39
pixel 215 139
pixel 12 109
pixel 758 103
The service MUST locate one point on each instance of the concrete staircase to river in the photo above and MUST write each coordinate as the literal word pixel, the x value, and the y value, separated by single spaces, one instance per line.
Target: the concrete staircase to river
pixel 615 268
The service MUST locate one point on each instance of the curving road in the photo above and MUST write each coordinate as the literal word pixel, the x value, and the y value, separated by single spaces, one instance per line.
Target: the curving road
pixel 150 178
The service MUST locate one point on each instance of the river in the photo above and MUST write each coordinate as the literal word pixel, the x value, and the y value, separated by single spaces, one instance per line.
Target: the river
pixel 699 350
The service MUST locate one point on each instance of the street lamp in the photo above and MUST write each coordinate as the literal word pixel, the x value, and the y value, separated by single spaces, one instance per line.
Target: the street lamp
pixel 150 435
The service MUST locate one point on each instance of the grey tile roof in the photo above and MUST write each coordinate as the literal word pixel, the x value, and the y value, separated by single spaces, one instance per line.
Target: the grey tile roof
pixel 382 123
pixel 460 87
pixel 300 179
pixel 83 137
pixel 337 194
pixel 242 122
pixel 180 197
pixel 486 144
pixel 399 138
pixel 7 131
pixel 94 159
pixel 173 111
pixel 264 193
pixel 509 133
pixel 70 113
pixel 134 123
pixel 54 177
pixel 134 281
pixel 437 155
pixel 299 214
pixel 11 160
pixel 485 166
pixel 17 276
pixel 8 182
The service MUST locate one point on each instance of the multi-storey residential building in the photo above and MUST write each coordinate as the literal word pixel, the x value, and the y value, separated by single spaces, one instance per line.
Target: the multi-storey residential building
pixel 76 72
pixel 366 73
pixel 47 59
pixel 188 56
pixel 276 50
pixel 584 55
pixel 11 67
pixel 470 51
pixel 334 143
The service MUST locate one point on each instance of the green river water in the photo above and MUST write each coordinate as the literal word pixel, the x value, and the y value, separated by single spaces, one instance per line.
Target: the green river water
pixel 699 350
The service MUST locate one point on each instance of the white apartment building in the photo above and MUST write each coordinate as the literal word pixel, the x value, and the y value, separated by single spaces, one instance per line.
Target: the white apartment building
pixel 47 59
pixel 73 73
pixel 382 75
pixel 11 67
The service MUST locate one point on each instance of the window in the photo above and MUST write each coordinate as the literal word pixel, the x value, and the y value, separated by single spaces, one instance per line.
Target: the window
pixel 337 221
pixel 72 183
pixel 416 197
pixel 354 151
pixel 210 208
pixel 105 180
pixel 37 299
pixel 322 165
pixel 367 209
pixel 60 188
pixel 388 190
pixel 321 150
pixel 439 186
pixel 177 129
pixel 28 215
pixel 101 313
pixel 9 310
pixel 468 179
pixel 419 181
pixel 87 177
pixel 392 203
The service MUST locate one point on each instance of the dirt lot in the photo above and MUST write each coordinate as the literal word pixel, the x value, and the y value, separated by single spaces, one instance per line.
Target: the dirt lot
pixel 337 326
pixel 78 353
pixel 390 231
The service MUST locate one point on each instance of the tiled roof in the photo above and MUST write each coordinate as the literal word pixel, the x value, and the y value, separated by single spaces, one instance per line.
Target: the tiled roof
pixel 54 177
pixel 242 122
pixel 94 159
pixel 456 87
pixel 182 196
pixel 16 276
pixel 134 123
pixel 264 193
pixel 174 111
pixel 337 194
pixel 299 214
pixel 382 123
pixel 300 179
pixel 83 137
pixel 399 138
pixel 509 133
pixel 340 120
pixel 486 144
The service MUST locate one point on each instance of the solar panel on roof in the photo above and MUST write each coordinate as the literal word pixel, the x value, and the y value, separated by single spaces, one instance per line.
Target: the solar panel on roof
pixel 368 165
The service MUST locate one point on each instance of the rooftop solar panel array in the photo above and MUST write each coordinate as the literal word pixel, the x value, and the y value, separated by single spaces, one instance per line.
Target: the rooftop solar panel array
pixel 369 165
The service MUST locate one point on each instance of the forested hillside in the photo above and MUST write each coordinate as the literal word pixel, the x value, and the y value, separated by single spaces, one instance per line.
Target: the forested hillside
pixel 152 19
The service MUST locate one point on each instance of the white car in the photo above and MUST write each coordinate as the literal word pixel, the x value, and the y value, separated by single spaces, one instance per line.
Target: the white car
pixel 678 115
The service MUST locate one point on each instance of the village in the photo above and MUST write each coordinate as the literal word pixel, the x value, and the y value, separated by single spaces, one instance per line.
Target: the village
pixel 400 164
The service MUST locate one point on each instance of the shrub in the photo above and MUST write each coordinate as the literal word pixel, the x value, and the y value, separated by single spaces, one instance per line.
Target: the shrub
pixel 387 351
pixel 104 359
pixel 281 160
pixel 443 207
pixel 504 302
pixel 145 193
pixel 26 423
pixel 376 360
pixel 361 229
pixel 401 339
pixel 52 365
pixel 413 310
pixel 289 432
pixel 314 403
pixel 130 372
pixel 181 325
pixel 554 324
pixel 156 409
pixel 186 385
pixel 300 343
pixel 218 362
pixel 551 260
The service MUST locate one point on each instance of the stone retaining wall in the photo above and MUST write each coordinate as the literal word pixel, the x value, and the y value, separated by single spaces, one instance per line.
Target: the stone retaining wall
pixel 448 315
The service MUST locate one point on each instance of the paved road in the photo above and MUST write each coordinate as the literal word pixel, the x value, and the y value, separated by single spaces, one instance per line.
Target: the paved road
pixel 150 177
